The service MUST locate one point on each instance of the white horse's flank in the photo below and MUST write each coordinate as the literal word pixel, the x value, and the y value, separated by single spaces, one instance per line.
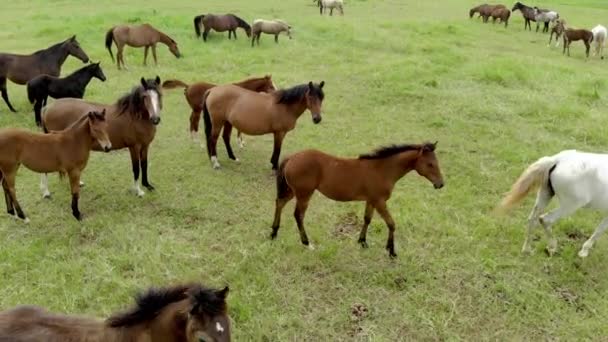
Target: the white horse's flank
pixel 331 4
pixel 578 179
pixel 599 37
pixel 542 16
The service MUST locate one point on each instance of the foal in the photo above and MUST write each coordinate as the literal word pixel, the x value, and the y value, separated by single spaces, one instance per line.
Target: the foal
pixel 370 178
pixel 64 152
pixel 571 35
pixel 558 30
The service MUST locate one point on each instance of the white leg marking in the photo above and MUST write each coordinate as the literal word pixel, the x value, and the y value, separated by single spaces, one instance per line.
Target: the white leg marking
pixel 81 183
pixel 27 220
pixel 215 163
pixel 193 135
pixel 240 141
pixel 138 191
pixel 311 247
pixel 601 228
pixel 44 186
pixel 218 327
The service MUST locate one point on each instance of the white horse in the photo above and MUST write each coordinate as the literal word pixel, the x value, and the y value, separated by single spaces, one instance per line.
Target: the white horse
pixel 599 37
pixel 578 179
pixel 544 16
pixel 331 4
pixel 274 27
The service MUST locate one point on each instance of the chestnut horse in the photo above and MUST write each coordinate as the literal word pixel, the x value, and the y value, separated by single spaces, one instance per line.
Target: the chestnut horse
pixel 183 313
pixel 64 152
pixel 22 68
pixel 501 13
pixel 132 122
pixel 144 35
pixel 194 96
pixel 571 35
pixel 257 114
pixel 220 23
pixel 370 178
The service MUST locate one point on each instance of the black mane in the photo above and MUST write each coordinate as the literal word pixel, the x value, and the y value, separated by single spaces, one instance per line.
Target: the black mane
pixel 209 301
pixel 241 22
pixel 132 102
pixel 387 151
pixel 296 93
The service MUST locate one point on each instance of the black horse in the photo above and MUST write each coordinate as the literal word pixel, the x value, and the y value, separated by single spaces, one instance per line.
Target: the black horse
pixel 41 87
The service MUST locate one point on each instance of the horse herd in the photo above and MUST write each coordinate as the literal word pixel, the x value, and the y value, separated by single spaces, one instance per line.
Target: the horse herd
pixel 598 34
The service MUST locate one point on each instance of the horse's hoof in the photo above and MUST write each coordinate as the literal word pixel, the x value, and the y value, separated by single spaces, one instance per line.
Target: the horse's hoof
pixel 363 244
pixel 140 193
pixel 26 220
pixel 237 160
pixel 583 253
pixel 46 195
pixel 392 255
pixel 311 247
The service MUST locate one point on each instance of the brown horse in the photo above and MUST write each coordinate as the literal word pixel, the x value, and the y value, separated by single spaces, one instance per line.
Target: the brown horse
pixel 220 23
pixel 184 313
pixel 501 13
pixel 137 36
pixel 132 124
pixel 370 178
pixel 571 35
pixel 64 152
pixel 194 95
pixel 477 9
pixel 22 68
pixel 257 114
pixel 557 29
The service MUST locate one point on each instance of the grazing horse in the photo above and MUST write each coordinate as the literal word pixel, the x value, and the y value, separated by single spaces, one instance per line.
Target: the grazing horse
pixel 144 35
pixel 220 23
pixel 599 36
pixel 370 178
pixel 43 86
pixel 545 16
pixel 527 12
pixel 132 122
pixel 501 13
pixel 183 313
pixel 571 35
pixel 22 68
pixel 274 27
pixel 557 29
pixel 257 114
pixel 477 9
pixel 578 179
pixel 331 4
pixel 194 96
pixel 66 151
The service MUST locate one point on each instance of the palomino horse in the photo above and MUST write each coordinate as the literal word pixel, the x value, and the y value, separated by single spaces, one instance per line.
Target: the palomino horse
pixel 599 36
pixel 527 12
pixel 137 36
pixel 220 23
pixel 557 29
pixel 194 95
pixel 183 313
pixel 370 178
pixel 501 13
pixel 131 120
pixel 544 16
pixel 257 114
pixel 571 35
pixel 22 68
pixel 66 151
pixel 576 178
pixel 274 27
pixel 331 4
pixel 74 85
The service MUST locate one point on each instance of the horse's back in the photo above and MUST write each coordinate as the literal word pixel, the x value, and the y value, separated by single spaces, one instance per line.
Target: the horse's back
pixel 581 176
pixel 61 113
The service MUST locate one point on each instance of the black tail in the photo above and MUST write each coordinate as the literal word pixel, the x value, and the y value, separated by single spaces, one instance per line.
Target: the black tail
pixel 109 39
pixel 197 24
pixel 207 121
pixel 283 189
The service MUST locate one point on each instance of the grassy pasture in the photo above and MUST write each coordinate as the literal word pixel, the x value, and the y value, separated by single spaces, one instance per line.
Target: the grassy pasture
pixel 395 71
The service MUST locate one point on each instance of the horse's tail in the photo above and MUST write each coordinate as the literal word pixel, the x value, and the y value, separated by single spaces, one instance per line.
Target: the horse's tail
pixel 283 189
pixel 109 39
pixel 197 24
pixel 207 121
pixel 172 84
pixel 535 175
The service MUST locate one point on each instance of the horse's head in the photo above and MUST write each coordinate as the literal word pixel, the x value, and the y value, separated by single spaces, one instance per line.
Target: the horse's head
pixel 152 98
pixel 97 72
pixel 517 6
pixel 314 100
pixel 427 165
pixel 98 127
pixel 173 48
pixel 208 320
pixel 75 50
pixel 267 85
pixel 248 31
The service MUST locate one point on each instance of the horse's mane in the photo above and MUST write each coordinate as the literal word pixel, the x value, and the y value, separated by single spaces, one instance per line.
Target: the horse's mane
pixel 208 301
pixel 132 102
pixel 295 94
pixel 83 69
pixel 50 48
pixel 387 151
pixel 240 21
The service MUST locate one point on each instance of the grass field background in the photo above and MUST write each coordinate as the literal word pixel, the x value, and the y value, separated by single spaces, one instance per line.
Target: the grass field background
pixel 396 71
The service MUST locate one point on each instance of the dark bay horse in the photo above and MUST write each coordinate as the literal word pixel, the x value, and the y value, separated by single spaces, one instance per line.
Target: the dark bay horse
pixel 571 35
pixel 66 151
pixel 370 178
pixel 257 114
pixel 194 95
pixel 501 13
pixel 183 313
pixel 144 35
pixel 22 68
pixel 41 87
pixel 131 120
pixel 527 12
pixel 220 23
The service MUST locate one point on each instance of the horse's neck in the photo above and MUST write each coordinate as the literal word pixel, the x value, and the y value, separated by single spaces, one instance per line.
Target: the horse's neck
pixel 80 134
pixel 296 109
pixel 399 165
pixel 54 57
pixel 163 38
pixel 80 77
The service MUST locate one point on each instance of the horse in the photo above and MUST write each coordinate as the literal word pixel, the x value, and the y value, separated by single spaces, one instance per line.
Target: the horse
pixel 257 114
pixel 571 35
pixel 576 178
pixel 370 178
pixel 275 27
pixel 194 95
pixel 501 13
pixel 557 29
pixel 41 87
pixel 66 151
pixel 545 16
pixel 181 313
pixel 599 36
pixel 527 12
pixel 22 68
pixel 477 9
pixel 144 35
pixel 220 23
pixel 331 4
pixel 132 122
pixel 486 11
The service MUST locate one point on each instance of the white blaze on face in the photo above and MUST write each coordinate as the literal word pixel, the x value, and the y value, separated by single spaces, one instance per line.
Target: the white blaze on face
pixel 155 102
pixel 219 327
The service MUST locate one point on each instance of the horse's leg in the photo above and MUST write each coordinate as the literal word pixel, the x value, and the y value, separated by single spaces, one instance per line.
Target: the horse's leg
pixel 542 200
pixel 587 47
pixel 195 118
pixel 341 10
pixel 44 185
pixel 38 103
pixel 135 164
pixel 284 195
pixel 7 197
pixel 8 183
pixel 75 188
pixel 258 38
pixel 146 54
pixel 302 200
pixel 276 38
pixel 215 134
pixel 240 139
pixel 5 94
pixel 383 211
pixel 367 218
pixel 234 34
pixel 276 152
pixel 566 208
pixel 601 228
pixel 143 160
pixel 546 29
pixel 331 11
pixel 252 39
pixel 154 54
pixel 226 137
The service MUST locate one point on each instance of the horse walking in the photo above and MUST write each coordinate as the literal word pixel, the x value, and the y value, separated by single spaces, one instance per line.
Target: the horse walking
pixel 527 12
pixel 182 313
pixel 64 152
pixel 74 85
pixel 144 35
pixel 274 27
pixel 257 114
pixel 572 35
pixel 370 178
pixel 545 16
pixel 132 122
pixel 220 23
pixel 557 29
pixel 331 4
pixel 22 68
pixel 599 37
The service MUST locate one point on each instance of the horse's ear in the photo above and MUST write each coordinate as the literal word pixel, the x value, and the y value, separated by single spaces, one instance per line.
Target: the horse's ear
pixel 143 82
pixel 223 293
pixel 321 84
pixel 73 38
pixel 103 113
pixel 310 85
pixel 157 80
pixel 91 115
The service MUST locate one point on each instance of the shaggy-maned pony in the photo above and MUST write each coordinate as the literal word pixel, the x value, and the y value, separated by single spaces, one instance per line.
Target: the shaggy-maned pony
pixel 274 27
pixel 331 4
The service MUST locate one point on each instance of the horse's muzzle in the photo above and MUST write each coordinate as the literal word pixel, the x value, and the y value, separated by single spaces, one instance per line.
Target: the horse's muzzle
pixel 316 119
pixel 438 185
pixel 155 120
pixel 107 148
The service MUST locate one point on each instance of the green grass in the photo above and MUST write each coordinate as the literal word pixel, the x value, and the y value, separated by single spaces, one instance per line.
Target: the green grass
pixel 395 71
